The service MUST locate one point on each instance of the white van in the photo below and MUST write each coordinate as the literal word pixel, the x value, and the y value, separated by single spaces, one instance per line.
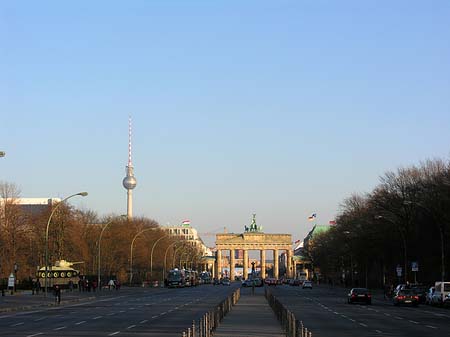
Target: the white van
pixel 441 290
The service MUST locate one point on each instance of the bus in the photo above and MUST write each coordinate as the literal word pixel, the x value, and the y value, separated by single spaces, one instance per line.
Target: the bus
pixel 176 278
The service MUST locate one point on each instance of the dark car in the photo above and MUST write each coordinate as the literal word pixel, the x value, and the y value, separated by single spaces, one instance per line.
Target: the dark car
pixel 406 296
pixel 421 291
pixel 359 295
pixel 270 281
pixel 295 282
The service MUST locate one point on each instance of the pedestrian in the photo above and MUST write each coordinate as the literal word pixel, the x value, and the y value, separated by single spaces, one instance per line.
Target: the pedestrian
pixel 117 284
pixel 57 291
pixel 94 285
pixel 111 284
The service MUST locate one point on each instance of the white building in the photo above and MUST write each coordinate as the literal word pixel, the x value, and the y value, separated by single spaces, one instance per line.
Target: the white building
pixel 190 235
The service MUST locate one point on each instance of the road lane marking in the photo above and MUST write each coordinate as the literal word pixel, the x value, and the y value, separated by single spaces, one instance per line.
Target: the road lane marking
pixel 114 333
pixel 60 328
pixel 82 322
pixel 40 319
pixel 378 331
pixel 163 313
pixel 431 327
pixel 97 317
pixel 351 319
pixel 36 334
pixel 144 321
pixel 396 317
pixel 386 314
pixel 414 322
pixel 131 326
pixel 113 313
pixel 364 325
pixel 121 311
pixel 17 324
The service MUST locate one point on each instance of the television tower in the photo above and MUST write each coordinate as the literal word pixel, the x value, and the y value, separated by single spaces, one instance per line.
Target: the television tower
pixel 129 182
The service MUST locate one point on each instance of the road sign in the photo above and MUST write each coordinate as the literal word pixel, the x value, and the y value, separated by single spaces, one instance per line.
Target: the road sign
pixel 11 281
pixel 414 266
pixel 399 271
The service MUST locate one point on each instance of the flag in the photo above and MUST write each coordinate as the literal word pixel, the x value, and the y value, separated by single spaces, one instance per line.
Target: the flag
pixel 186 222
pixel 312 217
pixel 332 222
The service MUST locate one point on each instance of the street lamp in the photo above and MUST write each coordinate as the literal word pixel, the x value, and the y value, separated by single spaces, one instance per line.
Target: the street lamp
pixel 165 258
pixel 151 254
pixel 441 234
pixel 99 246
pixel 403 236
pixel 131 248
pixel 83 194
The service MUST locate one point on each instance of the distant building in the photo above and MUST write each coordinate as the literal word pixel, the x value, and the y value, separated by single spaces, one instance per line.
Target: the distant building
pixel 190 235
pixel 34 206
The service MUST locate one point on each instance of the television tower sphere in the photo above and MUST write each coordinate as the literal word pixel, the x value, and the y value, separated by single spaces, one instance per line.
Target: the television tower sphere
pixel 129 182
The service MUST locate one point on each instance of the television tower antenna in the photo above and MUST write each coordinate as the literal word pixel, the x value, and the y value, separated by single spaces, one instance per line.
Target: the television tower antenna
pixel 129 182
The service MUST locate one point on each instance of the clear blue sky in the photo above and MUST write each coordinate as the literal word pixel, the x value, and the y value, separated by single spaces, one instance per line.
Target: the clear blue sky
pixel 280 108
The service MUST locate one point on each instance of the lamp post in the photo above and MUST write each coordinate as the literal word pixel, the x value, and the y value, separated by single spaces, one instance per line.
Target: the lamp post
pixel 151 254
pixel 441 234
pixel 83 194
pixel 99 247
pixel 165 258
pixel 403 236
pixel 131 249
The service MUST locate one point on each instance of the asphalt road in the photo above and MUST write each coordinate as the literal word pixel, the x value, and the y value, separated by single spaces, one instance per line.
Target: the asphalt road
pixel 326 313
pixel 132 312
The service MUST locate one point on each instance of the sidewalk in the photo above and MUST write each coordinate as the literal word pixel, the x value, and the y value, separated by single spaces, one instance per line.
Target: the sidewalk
pixel 24 300
pixel 250 317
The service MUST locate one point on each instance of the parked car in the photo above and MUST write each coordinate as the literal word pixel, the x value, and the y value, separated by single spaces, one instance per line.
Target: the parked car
pixel 295 282
pixel 247 283
pixel 420 291
pixel 216 281
pixel 359 295
pixel 258 282
pixel 441 290
pixel 270 281
pixel 226 282
pixel 307 284
pixel 406 296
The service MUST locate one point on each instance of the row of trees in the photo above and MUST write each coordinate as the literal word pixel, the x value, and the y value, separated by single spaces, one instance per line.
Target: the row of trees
pixel 403 223
pixel 74 236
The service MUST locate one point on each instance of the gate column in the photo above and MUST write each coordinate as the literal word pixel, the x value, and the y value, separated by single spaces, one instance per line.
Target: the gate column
pixel 275 263
pixel 245 265
pixel 263 263
pixel 232 264
pixel 219 263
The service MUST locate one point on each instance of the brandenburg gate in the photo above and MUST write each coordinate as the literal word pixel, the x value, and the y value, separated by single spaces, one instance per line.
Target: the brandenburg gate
pixel 254 239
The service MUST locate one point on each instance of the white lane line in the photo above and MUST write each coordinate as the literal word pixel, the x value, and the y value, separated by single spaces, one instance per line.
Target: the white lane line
pixel 82 322
pixel 414 322
pixel 364 325
pixel 114 333
pixel 378 331
pixel 386 314
pixel 60 328
pixel 170 310
pixel 121 311
pixel 40 319
pixel 144 321
pixel 431 327
pixel 343 316
pixel 132 308
pixel 155 316
pixel 97 317
pixel 176 308
pixel 113 313
pixel 36 334
pixel 396 317
pixel 131 326
pixel 336 313
pixel 17 324
pixel 352 320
